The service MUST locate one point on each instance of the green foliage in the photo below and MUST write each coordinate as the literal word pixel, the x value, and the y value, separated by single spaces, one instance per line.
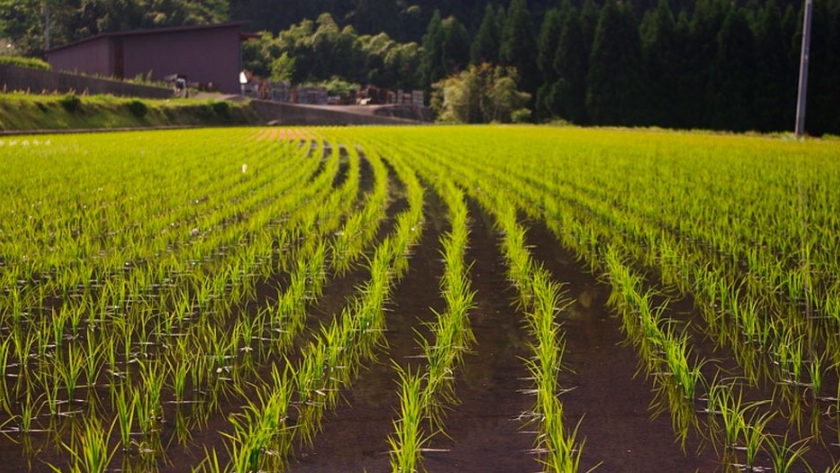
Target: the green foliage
pixel 485 46
pixel 22 20
pixel 661 60
pixel 42 112
pixel 567 97
pixel 456 43
pixel 518 48
pixel 481 94
pixel 732 88
pixel 433 63
pixel 222 109
pixel 71 103
pixel 548 44
pixel 614 96
pixel 318 51
pixel 679 79
pixel 336 86
pixel 282 68
pixel 31 63
pixel 137 108
pixel 776 72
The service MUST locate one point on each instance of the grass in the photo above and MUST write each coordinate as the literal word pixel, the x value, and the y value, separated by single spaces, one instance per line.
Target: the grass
pixel 51 112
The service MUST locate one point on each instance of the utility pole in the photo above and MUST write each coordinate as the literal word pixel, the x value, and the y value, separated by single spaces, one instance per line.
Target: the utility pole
pixel 803 69
pixel 46 26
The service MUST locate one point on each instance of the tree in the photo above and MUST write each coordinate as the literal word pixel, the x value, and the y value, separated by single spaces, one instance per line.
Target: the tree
pixel 706 23
pixel 376 16
pixel 518 47
pixel 823 72
pixel 480 94
pixel 433 65
pixel 456 45
pixel 775 85
pixel 485 46
pixel 282 68
pixel 571 61
pixel 659 50
pixel 22 23
pixel 549 40
pixel 615 81
pixel 23 20
pixel 731 89
pixel 684 87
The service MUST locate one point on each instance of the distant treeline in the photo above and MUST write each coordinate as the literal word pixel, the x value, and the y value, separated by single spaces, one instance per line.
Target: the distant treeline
pixel 719 64
pixel 716 66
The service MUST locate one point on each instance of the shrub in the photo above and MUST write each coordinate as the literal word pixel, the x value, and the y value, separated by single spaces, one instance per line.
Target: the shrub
pixel 221 109
pixel 71 102
pixel 30 62
pixel 137 108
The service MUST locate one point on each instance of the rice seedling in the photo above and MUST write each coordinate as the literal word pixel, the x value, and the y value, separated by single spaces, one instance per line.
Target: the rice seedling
pixel 90 449
pixel 175 270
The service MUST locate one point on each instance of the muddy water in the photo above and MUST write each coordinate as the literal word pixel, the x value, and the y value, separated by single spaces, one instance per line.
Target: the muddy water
pixel 606 394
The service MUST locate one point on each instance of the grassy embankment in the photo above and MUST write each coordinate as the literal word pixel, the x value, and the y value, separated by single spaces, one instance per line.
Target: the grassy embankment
pixel 54 112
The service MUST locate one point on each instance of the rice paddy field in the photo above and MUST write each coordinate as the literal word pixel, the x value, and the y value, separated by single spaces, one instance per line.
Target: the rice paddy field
pixel 447 299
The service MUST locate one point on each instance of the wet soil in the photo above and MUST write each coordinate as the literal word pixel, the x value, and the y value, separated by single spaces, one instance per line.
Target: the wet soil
pixel 607 397
pixel 354 436
pixel 486 433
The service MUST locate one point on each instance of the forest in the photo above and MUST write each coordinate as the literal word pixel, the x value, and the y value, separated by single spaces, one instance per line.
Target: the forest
pixel 714 64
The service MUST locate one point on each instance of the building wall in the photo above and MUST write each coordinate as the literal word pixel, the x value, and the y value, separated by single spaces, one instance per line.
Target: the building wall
pixel 209 55
pixel 93 57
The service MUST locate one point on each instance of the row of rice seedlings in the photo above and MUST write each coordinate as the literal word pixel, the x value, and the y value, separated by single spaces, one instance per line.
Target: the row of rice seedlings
pixel 663 349
pixel 224 351
pixel 116 252
pixel 78 310
pixel 541 298
pixel 331 361
pixel 75 372
pixel 591 244
pixel 289 315
pixel 87 299
pixel 423 393
pixel 557 446
pixel 665 352
pixel 674 353
pixel 361 227
pixel 791 367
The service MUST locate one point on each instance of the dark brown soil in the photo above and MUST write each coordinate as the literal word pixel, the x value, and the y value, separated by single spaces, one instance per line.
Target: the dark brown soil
pixel 354 436
pixel 486 431
pixel 608 399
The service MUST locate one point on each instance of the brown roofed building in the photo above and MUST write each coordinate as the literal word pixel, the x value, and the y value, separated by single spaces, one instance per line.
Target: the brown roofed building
pixel 203 53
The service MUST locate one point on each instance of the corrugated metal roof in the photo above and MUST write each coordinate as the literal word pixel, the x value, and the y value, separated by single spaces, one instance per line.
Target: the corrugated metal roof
pixel 153 31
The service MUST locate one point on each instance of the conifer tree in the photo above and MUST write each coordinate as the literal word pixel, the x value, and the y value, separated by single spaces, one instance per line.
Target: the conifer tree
pixel 547 48
pixel 706 23
pixel 571 62
pixel 456 45
pixel 731 90
pixel 615 81
pixel 659 49
pixel 775 86
pixel 485 46
pixel 518 48
pixel 433 65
